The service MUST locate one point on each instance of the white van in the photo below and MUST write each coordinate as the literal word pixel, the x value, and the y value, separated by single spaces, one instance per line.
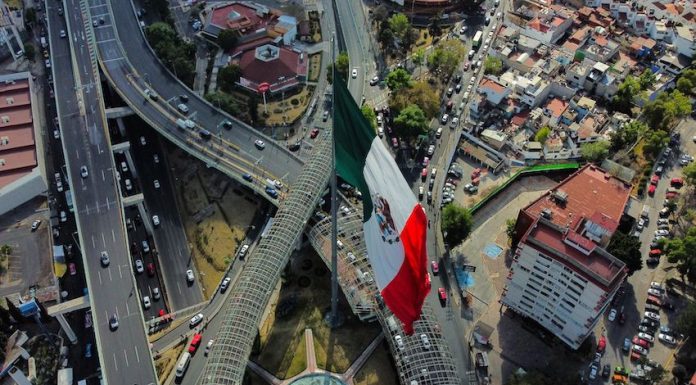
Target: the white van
pixel 124 166
pixel 183 364
pixel 44 44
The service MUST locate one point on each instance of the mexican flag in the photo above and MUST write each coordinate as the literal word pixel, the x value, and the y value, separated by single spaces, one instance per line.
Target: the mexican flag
pixel 394 223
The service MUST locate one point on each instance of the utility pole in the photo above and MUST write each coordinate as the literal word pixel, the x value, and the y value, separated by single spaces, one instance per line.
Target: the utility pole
pixel 334 318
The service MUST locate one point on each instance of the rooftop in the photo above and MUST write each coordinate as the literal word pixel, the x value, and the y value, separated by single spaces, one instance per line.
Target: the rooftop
pixel 575 252
pixel 17 142
pixel 588 191
pixel 284 64
pixel 557 106
pixel 244 17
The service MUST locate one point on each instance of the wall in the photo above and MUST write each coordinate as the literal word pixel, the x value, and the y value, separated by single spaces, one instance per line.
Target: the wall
pixel 22 190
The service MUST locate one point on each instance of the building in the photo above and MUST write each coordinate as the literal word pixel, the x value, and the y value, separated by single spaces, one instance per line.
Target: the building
pixel 561 275
pixel 250 21
pixel 21 162
pixel 280 67
pixel 494 91
pixel 685 40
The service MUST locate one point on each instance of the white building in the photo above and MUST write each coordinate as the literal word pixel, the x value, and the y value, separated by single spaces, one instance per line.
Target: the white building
pixel 685 40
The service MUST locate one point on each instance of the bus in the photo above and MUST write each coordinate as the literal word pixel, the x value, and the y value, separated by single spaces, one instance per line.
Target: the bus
pixel 477 39
pixel 69 200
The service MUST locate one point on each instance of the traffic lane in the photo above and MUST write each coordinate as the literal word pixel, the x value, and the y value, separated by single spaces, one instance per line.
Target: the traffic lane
pixel 145 280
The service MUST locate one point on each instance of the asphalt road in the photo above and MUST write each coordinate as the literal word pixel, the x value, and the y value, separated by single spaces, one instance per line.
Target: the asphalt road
pixel 169 237
pixel 123 353
pixel 132 68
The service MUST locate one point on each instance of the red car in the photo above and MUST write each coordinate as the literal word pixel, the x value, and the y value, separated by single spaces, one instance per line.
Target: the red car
pixel 72 268
pixel 395 143
pixel 641 342
pixel 442 294
pixel 671 195
pixel 151 269
pixel 651 190
pixel 161 313
pixel 654 180
pixel 314 133
pixel 195 342
pixel 424 174
pixel 435 267
pixel 676 182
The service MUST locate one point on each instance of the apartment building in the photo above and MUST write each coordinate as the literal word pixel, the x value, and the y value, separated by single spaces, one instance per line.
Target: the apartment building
pixel 561 275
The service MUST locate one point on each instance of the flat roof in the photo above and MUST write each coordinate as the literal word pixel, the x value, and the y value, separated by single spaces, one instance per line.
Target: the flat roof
pixel 595 264
pixel 17 141
pixel 588 191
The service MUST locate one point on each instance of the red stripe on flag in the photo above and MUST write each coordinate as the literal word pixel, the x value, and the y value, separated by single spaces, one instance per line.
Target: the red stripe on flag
pixel 405 294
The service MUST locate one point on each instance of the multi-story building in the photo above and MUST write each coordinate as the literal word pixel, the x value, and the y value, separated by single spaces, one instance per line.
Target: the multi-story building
pixel 685 40
pixel 561 275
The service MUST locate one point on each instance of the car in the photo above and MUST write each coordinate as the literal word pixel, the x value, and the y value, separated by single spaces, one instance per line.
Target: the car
pixel 63 216
pixel 155 220
pixel 314 133
pixel 151 94
pixel 640 342
pixel 659 170
pixel 442 294
pixel 143 142
pixel 56 134
pixel 426 161
pixel 156 183
pixel 113 322
pixel 146 302
pixel 271 192
pixel 63 34
pixel 431 150
pixel 450 91
pixel 129 185
pixel 655 292
pixel 155 158
pixel 612 315
pixel 104 258
pixel 183 108
pixel 225 284
pixel 594 370
pixel 195 320
pixel 455 121
pixel 463 29
pixel 72 268
pixel 426 342
pixel 606 371
pixel 151 269
pixel 640 350
pixel 652 316
pixel 498 16
pixel 208 346
pixel 645 329
pixel 354 73
pixel 399 342
pixel 156 293
pixel 35 225
pixel 646 337
pixel 189 276
pixel 429 197
pixel 662 233
pixel 640 225
pixel 470 188
pixel 444 119
pixel 649 323
pixel 325 116
pixel 248 177
pixel 146 246
pixel 435 267
pixel 139 266
pixel 259 144
pixel 242 251
pixel 667 339
pixel 626 345
pixel 83 172
pixel 424 174
pixel 374 81
pixel 195 342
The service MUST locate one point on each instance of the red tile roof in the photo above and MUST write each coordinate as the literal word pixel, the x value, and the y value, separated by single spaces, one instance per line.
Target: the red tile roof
pixel 557 106
pixel 589 190
pixel 239 16
pixel 17 144
pixel 492 85
pixel 288 65
pixel 520 118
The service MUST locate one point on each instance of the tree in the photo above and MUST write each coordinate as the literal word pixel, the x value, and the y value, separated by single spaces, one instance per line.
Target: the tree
pixel 342 64
pixel 386 37
pixel 30 15
pixel 226 102
pixel 685 85
pixel 369 113
pixel 227 39
pixel 228 77
pixel 689 173
pixel 398 79
pixel 29 52
pixel 411 122
pixel 686 323
pixel 679 372
pixel 646 79
pixel 456 223
pixel 380 13
pixel 542 134
pixel 510 225
pixel 421 94
pixel 666 109
pixel 418 58
pixel 627 135
pixel 176 54
pixel 493 65
pixel 399 24
pixel 595 152
pixel 160 7
pixel 655 141
pixel 627 249
pixel 447 57
pixel 626 94
pixel 680 251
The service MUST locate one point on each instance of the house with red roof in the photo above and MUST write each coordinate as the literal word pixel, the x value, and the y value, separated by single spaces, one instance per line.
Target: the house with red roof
pixel 280 67
pixel 547 26
pixel 250 21
pixel 561 275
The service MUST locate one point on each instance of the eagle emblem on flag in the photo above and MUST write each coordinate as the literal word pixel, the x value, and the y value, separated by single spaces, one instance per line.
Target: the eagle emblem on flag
pixel 385 220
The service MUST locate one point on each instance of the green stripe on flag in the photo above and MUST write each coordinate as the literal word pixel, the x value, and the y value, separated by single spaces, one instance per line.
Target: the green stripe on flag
pixel 354 136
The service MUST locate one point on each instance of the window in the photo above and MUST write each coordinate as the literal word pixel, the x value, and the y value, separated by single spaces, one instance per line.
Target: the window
pixel 534 281
pixel 545 257
pixel 527 298
pixel 558 325
pixel 578 284
pixel 526 304
pixel 572 289
pixel 523 269
pixel 532 287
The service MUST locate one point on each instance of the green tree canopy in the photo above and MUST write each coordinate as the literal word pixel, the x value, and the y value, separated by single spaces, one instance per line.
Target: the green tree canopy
pixel 30 15
pixel 398 79
pixel 380 13
pixel 680 251
pixel 369 113
pixel 342 64
pixel 655 141
pixel 595 152
pixel 399 24
pixel 160 7
pixel 627 134
pixel 228 77
pixel 447 57
pixel 646 79
pixel 689 173
pixel 493 65
pixel 421 94
pixel 227 39
pixel 627 249
pixel 411 122
pixel 226 102
pixel 29 52
pixel 626 94
pixel 663 112
pixel 456 223
pixel 542 134
pixel 687 81
pixel 176 54
pixel 686 323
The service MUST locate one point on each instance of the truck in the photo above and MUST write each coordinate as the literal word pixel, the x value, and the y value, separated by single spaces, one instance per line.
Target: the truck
pixel 69 200
pixel 477 39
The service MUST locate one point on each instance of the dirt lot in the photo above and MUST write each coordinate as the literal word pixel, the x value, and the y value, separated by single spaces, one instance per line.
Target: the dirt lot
pixel 167 361
pixel 288 110
pixel 314 67
pixel 378 370
pixel 303 300
pixel 216 216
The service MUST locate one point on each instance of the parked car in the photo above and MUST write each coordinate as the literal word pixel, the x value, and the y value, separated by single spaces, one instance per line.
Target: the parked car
pixel 612 315
pixel 667 339
pixel 259 144
pixel 652 316
pixel 641 342
pixel 646 337
pixel 640 350
pixel 195 342
pixel 435 267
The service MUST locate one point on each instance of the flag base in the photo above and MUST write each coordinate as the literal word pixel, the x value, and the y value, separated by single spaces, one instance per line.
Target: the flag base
pixel 332 321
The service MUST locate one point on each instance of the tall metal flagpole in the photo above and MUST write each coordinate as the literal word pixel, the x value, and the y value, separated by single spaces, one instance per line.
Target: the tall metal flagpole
pixel 334 204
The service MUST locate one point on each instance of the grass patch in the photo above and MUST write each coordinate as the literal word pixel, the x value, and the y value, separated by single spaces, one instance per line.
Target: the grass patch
pixel 299 308
pixel 314 67
pixel 14 4
pixel 378 369
pixel 289 110
pixel 166 362
pixel 299 360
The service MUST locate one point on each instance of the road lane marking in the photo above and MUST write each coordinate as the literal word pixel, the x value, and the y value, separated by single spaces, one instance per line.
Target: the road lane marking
pixel 120 272
pixel 137 356
pixel 125 355
pixel 103 240
pixel 96 204
pixel 113 234
pixel 94 243
pixel 100 279
pixel 115 363
pixel 77 152
pixel 110 278
pixel 104 179
pixel 108 205
pixel 178 287
pixel 127 309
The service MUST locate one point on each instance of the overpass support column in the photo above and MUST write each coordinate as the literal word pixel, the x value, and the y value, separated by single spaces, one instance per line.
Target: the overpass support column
pixel 147 221
pixel 66 328
pixel 131 164
pixel 121 127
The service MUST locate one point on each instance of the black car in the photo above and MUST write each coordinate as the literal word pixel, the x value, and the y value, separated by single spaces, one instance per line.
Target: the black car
pixel 649 323
pixel 652 261
pixel 184 98
pixel 458 88
pixel 457 78
pixel 606 371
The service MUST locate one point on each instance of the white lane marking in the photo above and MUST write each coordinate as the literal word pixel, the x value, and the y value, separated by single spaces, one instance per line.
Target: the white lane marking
pixel 110 278
pixel 125 355
pixel 127 309
pixel 179 250
pixel 96 204
pixel 94 243
pixel 99 274
pixel 137 356
pixel 104 179
pixel 178 287
pixel 113 236
pixel 115 363
pixel 114 59
pixel 120 272
pixel 103 240
pixel 108 205
pixel 77 152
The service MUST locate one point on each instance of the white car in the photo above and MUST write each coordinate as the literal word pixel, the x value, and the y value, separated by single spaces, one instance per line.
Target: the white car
pixel 399 342
pixel 661 233
pixel 640 350
pixel 225 284
pixel 655 292
pixel 196 319
pixel 242 251
pixel 455 121
pixel 431 149
pixel 62 33
pixel 63 216
pixel 666 338
pixel 354 73
pixel 444 119
pixel 593 372
pixel 83 172
pixel 56 134
pixel 259 144
pixel 612 315
pixel 640 225
pixel 155 220
pixel 156 293
pixel 156 183
pixel 647 337
pixel 208 347
pixel 129 185
pixel 139 266
pixel 652 316
pixel 425 341
pixel 146 302
pixel 656 285
pixel 142 141
pixel 189 275
pixel 278 184
pixel 155 157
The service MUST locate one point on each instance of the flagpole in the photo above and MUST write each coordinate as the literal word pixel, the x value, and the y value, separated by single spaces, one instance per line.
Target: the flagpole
pixel 334 318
